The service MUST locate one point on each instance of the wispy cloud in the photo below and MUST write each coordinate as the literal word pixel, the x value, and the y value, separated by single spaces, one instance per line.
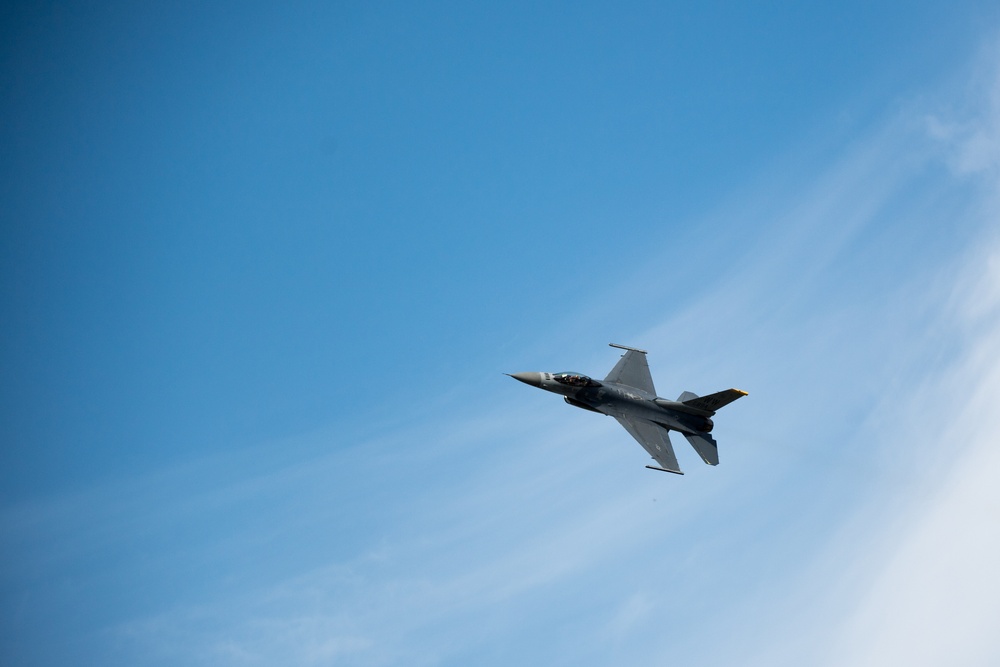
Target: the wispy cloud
pixel 931 595
pixel 853 510
pixel 906 577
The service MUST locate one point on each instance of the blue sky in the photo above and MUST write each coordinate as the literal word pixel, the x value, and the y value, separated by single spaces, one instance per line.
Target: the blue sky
pixel 263 268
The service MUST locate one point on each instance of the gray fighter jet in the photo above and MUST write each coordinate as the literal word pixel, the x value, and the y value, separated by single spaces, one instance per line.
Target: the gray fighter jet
pixel 627 394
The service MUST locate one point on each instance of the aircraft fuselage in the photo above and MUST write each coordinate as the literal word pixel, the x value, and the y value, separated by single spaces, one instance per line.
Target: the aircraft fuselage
pixel 611 398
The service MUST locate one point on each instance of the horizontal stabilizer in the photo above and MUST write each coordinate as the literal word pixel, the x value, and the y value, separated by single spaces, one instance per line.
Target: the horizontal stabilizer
pixel 713 402
pixel 686 396
pixel 706 446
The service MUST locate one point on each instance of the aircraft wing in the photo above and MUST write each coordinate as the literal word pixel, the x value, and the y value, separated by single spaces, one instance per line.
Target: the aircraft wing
pixel 654 439
pixel 632 370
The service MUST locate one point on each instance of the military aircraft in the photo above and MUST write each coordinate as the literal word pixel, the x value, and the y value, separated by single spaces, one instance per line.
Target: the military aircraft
pixel 627 394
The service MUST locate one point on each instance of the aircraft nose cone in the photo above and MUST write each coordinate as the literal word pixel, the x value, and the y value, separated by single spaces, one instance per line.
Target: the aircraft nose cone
pixel 534 379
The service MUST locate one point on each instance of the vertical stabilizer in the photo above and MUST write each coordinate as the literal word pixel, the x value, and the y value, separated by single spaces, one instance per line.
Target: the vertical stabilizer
pixel 713 402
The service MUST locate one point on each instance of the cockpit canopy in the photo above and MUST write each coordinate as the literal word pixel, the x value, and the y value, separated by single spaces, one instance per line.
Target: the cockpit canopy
pixel 575 379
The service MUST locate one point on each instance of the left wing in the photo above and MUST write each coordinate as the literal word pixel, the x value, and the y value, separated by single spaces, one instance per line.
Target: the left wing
pixel 632 370
pixel 654 439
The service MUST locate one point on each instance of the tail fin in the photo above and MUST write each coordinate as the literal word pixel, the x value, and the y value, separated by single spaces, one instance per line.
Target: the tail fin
pixel 712 402
pixel 703 443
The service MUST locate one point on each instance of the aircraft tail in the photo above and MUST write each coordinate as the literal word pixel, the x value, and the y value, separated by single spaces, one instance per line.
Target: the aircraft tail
pixel 712 402
pixel 703 443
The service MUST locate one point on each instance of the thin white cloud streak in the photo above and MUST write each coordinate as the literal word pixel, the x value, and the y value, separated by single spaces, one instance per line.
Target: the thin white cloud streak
pixel 908 577
pixel 934 597
pixel 506 535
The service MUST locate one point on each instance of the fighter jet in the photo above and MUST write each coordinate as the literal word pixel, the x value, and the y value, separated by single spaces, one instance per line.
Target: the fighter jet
pixel 627 394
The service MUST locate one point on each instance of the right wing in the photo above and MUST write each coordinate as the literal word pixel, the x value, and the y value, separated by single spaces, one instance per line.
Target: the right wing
pixel 654 439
